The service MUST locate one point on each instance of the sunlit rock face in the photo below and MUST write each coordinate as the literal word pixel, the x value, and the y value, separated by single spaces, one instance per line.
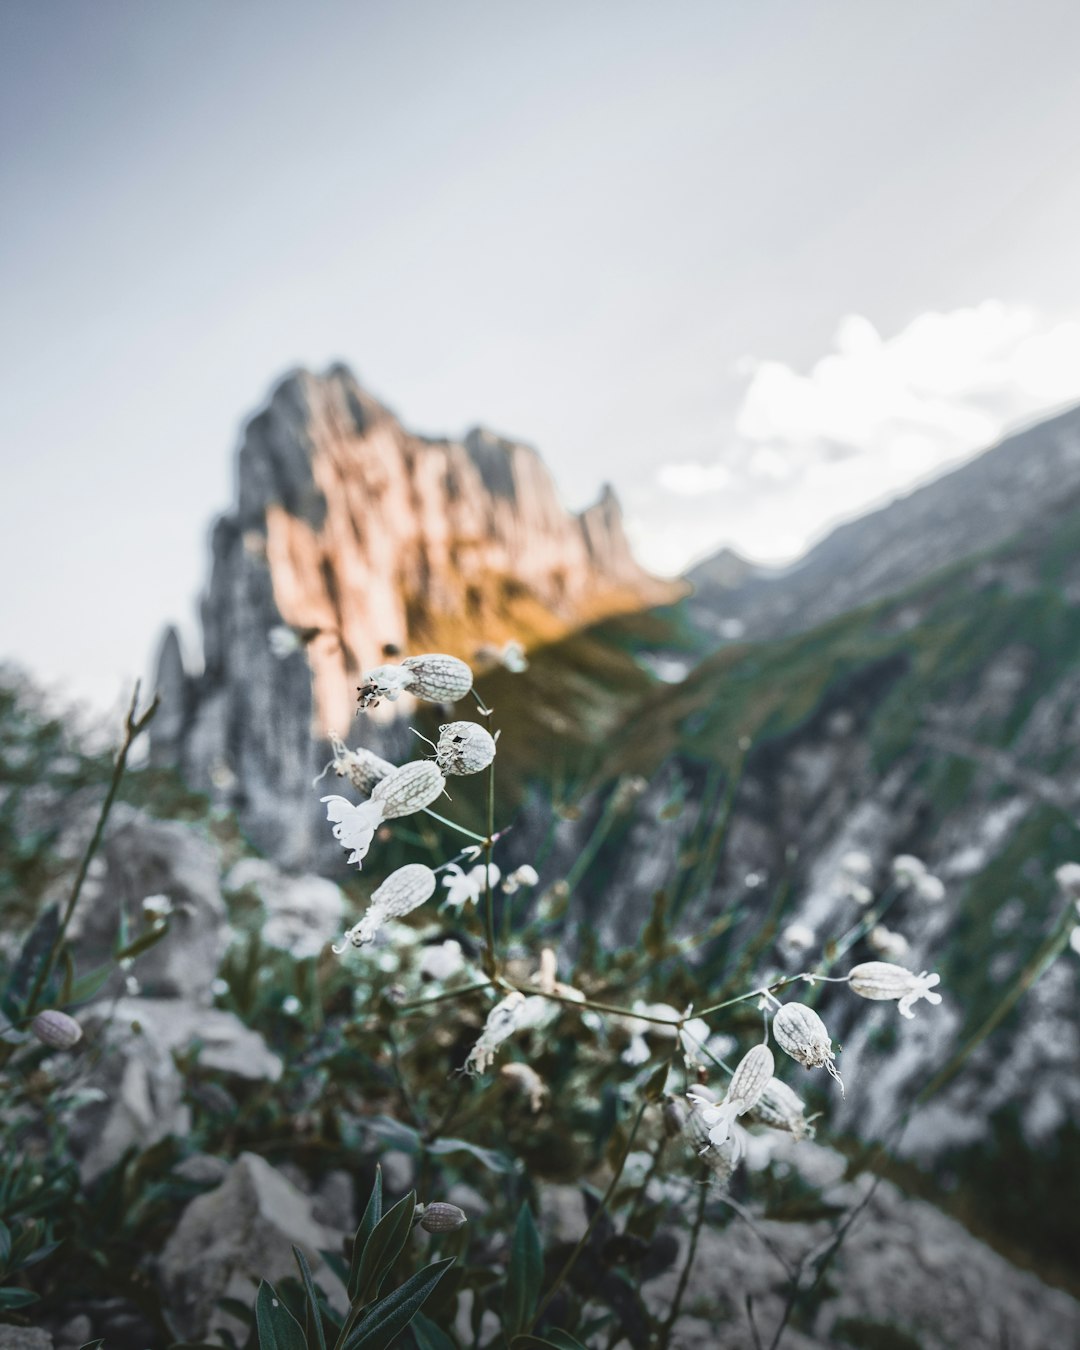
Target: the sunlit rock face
pixel 364 538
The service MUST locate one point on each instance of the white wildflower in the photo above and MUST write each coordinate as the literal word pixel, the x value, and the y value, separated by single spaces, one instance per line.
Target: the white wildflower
pixel 782 1109
pixel 513 658
pixel 858 865
pixel 283 641
pixel 442 961
pixel 466 888
pixel 930 889
pixel 801 1033
pixel 748 1082
pixel 438 678
pixel 798 937
pixel 889 945
pixel 464 748
pixel 1074 939
pixel 403 891
pixel 290 1005
pixel 502 1021
pixel 1067 877
pixel 353 826
pixel 721 1159
pixel 388 681
pixel 521 876
pixel 157 906
pixel 907 869
pixel 880 980
pixel 409 789
pixel 524 1079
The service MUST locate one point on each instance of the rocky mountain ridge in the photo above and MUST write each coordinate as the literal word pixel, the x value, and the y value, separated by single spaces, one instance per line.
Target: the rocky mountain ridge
pixel 1008 488
pixel 364 539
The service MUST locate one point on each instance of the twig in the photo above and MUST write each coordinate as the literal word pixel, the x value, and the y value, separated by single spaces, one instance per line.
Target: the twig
pixel 684 1278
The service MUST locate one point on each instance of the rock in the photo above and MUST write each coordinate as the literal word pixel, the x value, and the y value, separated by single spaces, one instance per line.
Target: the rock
pixel 230 1238
pixel 904 1270
pixel 303 913
pixel 24 1338
pixel 354 534
pixel 142 1090
pixel 142 857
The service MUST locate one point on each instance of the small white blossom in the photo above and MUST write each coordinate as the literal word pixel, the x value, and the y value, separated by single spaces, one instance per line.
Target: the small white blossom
pixel 464 748
pixel 527 1081
pixel 930 889
pixel 521 876
pixel 750 1079
pixel 157 906
pixel 907 869
pixel 502 1021
pixel 353 826
pixel 889 945
pixel 403 891
pixel 880 980
pixel 283 641
pixel 290 1005
pixel 442 961
pixel 857 864
pixel 1074 939
pixel 513 658
pixel 801 1033
pixel 1067 877
pixel 388 681
pixel 798 936
pixel 466 888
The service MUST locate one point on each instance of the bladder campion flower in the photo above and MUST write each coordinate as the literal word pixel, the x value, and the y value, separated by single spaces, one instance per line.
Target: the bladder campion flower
pixel 388 682
pixel 748 1082
pixel 363 768
pixel 403 891
pixel 466 888
pixel 464 747
pixel 408 789
pixel 438 678
pixel 353 826
pixel 502 1021
pixel 801 1033
pixel 880 980
pixel 782 1109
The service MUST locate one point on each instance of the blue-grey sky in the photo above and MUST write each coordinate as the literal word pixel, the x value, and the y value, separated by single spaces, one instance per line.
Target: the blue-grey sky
pixel 759 265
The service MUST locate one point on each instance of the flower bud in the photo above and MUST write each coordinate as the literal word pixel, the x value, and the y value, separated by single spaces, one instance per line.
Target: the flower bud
pixel 881 980
pixel 801 1033
pixel 781 1109
pixel 443 1218
pixel 56 1029
pixel 464 747
pixel 438 678
pixel 403 891
pixel 409 789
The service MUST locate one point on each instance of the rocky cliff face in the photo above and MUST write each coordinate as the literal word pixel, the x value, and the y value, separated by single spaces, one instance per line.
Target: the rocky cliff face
pixel 363 538
pixel 1007 489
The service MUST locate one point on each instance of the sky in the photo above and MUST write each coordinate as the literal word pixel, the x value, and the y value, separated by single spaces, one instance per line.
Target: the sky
pixel 759 266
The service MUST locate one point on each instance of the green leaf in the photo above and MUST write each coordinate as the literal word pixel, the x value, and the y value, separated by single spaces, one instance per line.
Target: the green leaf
pixel 278 1328
pixel 313 1328
pixel 493 1161
pixel 372 1215
pixel 10 1297
pixel 143 942
pixel 383 1248
pixel 86 986
pixel 524 1276
pixel 35 951
pixel 654 1088
pixel 552 1339
pixel 429 1336
pixel 392 1314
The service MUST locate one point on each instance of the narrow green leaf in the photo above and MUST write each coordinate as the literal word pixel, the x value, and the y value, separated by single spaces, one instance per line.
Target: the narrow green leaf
pixel 143 942
pixel 372 1215
pixel 492 1160
pixel 278 1328
pixel 392 1314
pixel 11 1297
pixel 384 1246
pixel 313 1329
pixel 86 986
pixel 429 1336
pixel 67 978
pixel 524 1276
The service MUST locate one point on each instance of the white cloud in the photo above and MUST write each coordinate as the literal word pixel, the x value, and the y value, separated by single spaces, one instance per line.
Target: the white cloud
pixel 873 417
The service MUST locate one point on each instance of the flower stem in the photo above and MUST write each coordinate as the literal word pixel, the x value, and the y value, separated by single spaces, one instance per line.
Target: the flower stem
pixel 454 825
